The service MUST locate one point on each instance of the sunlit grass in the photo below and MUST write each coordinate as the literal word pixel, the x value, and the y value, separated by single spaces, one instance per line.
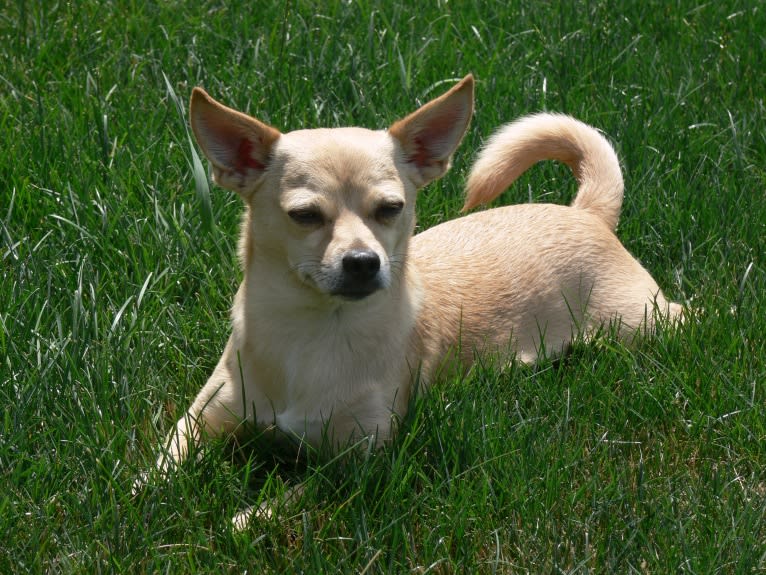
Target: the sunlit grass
pixel 115 291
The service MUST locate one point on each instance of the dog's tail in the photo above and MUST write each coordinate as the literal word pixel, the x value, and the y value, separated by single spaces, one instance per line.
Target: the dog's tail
pixel 517 146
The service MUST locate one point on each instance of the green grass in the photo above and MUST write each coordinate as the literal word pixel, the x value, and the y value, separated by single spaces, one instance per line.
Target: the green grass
pixel 115 292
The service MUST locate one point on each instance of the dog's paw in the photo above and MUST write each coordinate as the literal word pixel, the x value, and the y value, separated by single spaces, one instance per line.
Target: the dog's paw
pixel 160 472
pixel 139 483
pixel 268 509
pixel 241 520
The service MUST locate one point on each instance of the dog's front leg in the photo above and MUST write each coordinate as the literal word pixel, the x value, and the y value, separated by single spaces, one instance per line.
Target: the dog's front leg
pixel 218 410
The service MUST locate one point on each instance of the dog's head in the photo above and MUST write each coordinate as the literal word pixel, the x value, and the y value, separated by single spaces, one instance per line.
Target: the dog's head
pixel 333 207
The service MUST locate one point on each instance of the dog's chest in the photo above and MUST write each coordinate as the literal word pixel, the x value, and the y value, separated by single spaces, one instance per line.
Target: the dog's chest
pixel 332 366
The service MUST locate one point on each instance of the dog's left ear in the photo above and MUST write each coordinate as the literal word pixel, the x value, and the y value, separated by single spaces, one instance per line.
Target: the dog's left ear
pixel 430 135
pixel 238 146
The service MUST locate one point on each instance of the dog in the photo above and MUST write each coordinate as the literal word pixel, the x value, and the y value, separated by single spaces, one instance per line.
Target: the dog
pixel 342 309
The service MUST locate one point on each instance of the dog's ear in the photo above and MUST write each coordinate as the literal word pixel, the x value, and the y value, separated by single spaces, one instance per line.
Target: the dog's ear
pixel 238 146
pixel 430 135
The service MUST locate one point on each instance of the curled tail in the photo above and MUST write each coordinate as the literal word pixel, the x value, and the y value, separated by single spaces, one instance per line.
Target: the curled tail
pixel 517 146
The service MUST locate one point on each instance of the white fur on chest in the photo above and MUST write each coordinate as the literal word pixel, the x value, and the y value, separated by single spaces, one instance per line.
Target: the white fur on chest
pixel 329 369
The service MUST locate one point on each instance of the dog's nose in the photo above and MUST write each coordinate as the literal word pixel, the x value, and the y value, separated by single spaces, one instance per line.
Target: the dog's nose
pixel 361 265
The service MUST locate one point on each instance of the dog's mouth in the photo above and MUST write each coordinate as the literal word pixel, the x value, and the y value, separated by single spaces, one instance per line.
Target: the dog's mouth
pixel 343 287
pixel 355 294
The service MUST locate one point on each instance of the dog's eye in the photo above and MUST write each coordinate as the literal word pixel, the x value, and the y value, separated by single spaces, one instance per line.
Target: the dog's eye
pixel 388 211
pixel 306 216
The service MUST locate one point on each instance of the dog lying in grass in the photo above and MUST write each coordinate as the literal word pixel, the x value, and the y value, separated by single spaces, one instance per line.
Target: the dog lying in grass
pixel 341 309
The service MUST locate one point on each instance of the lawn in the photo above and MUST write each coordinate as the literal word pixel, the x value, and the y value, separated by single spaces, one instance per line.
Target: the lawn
pixel 117 273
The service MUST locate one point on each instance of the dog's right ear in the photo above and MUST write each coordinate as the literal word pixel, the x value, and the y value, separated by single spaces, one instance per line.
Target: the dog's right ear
pixel 431 134
pixel 238 146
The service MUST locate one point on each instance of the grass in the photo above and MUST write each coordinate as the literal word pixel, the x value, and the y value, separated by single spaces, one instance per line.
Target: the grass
pixel 115 290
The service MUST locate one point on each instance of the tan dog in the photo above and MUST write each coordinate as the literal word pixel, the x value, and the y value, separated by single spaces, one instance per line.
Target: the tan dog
pixel 341 309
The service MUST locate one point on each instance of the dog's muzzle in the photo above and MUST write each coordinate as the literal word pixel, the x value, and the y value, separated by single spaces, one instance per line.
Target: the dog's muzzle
pixel 361 275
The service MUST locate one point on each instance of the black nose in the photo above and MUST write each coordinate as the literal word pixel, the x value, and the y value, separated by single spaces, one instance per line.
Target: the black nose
pixel 361 265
